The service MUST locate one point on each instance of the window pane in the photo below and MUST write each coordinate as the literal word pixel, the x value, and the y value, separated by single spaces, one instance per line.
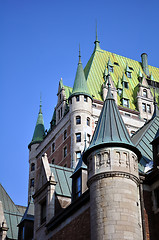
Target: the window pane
pixel 85 98
pixel 78 120
pixel 77 98
pixel 78 156
pixel 148 108
pixel 144 93
pixel 144 107
pixel 125 102
pixel 88 121
pixel 78 137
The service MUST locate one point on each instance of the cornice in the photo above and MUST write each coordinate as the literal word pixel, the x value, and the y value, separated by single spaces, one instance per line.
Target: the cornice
pixel 113 174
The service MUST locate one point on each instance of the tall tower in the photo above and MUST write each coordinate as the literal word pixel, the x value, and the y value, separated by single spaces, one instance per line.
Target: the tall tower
pixel 80 103
pixel 113 178
pixel 38 136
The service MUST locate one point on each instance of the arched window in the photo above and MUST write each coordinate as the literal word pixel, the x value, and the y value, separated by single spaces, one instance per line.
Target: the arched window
pixel 78 120
pixel 145 93
pixel 32 166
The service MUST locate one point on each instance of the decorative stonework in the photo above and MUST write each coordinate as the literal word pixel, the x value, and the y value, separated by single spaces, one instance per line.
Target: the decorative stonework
pixel 113 174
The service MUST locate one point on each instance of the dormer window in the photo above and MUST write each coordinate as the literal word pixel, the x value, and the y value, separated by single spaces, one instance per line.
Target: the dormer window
pixel 110 68
pixel 128 74
pixel 77 98
pixel 145 93
pixel 78 187
pixel 125 85
pixel 125 102
pixel 119 92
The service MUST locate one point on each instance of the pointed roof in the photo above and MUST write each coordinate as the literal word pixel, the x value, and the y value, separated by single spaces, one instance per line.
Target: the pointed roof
pixel 80 83
pixel 127 68
pixel 39 132
pixel 29 213
pixel 110 130
pixel 151 77
pixel 109 62
pixel 80 165
pixel 139 74
pixel 105 73
pixel 97 46
pixel 124 79
pixel 119 85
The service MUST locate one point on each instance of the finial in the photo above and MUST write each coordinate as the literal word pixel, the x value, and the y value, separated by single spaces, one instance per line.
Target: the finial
pixel 96 33
pixel 79 55
pixel 97 46
pixel 40 111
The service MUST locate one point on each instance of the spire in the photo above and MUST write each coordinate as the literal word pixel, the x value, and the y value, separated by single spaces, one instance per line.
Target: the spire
pixel 105 73
pixel 39 132
pixel 80 83
pixel 111 130
pixel 97 46
pixel 151 77
pixel 124 78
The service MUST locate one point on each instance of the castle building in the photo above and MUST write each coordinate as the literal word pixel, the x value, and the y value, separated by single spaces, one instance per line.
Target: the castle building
pixel 94 173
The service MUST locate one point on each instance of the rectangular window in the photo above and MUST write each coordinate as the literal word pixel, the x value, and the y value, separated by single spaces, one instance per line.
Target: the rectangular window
pixel 65 151
pixel 85 98
pixel 61 111
pixel 78 156
pixel 88 121
pixel 78 187
pixel 78 120
pixel 77 99
pixel 128 74
pixel 144 107
pixel 125 102
pixel 32 182
pixel 43 211
pixel 88 138
pixel 59 114
pixel 78 137
pixel 65 134
pixel 148 108
pixel 126 85
pixel 110 68
pixel 53 147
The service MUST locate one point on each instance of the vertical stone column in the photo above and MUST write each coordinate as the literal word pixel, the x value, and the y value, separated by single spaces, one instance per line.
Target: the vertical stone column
pixel 114 196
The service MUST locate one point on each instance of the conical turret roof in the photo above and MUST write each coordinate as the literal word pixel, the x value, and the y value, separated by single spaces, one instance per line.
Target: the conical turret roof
pixel 80 83
pixel 39 132
pixel 110 130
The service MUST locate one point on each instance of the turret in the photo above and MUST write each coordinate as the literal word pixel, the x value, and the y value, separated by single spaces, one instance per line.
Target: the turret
pixel 113 178
pixel 38 136
pixel 80 105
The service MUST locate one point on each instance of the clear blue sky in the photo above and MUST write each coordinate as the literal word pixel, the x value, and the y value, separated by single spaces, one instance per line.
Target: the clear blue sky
pixel 39 45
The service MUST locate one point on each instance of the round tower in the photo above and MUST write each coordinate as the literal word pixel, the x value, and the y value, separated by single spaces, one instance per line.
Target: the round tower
pixel 38 136
pixel 113 178
pixel 80 103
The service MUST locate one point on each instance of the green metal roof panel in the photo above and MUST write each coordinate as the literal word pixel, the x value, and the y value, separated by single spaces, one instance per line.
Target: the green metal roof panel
pixel 95 68
pixel 68 91
pixel 144 136
pixel 62 177
pixel 12 214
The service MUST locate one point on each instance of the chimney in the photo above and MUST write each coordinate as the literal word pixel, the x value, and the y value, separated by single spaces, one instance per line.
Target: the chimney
pixel 145 63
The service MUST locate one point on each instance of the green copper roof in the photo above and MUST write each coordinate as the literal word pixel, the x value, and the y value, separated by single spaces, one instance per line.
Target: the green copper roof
pixel 151 77
pixel 62 177
pixel 110 63
pixel 124 79
pixel 124 94
pixel 145 135
pixel 110 130
pixel 80 84
pixel 119 85
pixel 39 132
pixel 95 68
pixel 61 83
pixel 12 214
pixel 127 68
pixel 80 165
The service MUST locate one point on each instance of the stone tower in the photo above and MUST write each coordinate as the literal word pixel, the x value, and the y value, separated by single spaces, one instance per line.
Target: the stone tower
pixel 113 178
pixel 38 136
pixel 80 103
